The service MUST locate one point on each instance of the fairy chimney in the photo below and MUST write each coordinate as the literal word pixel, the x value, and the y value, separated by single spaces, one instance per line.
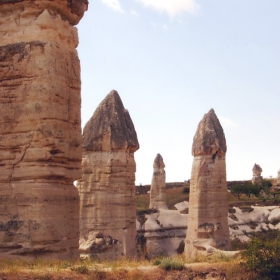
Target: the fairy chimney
pixel 41 140
pixel 107 187
pixel 257 171
pixel 208 203
pixel 278 178
pixel 158 186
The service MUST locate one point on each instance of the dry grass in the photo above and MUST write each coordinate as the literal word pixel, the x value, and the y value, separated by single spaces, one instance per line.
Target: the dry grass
pixel 217 267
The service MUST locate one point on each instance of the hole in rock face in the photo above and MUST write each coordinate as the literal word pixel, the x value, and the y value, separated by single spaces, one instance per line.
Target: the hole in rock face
pixel 54 152
pixel 214 156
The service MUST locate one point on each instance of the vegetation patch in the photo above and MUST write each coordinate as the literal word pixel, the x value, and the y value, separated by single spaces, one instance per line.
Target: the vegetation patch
pixel 169 263
pixel 262 257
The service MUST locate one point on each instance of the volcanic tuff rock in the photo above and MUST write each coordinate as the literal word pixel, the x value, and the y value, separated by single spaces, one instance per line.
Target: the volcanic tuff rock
pixel 158 186
pixel 257 171
pixel 40 135
pixel 278 178
pixel 207 219
pixel 107 190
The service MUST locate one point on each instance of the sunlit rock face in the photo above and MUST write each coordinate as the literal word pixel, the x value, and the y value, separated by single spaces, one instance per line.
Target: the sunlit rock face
pixel 277 182
pixel 257 171
pixel 40 135
pixel 208 203
pixel 158 186
pixel 107 188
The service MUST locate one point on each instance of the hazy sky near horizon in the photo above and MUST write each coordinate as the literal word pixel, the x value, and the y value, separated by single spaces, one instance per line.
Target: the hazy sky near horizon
pixel 171 61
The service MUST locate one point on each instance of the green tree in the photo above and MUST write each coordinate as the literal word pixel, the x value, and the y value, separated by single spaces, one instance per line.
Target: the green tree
pixel 263 257
pixel 237 190
pixel 265 186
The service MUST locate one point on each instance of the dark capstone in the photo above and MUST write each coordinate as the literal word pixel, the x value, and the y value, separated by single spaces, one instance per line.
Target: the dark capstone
pixel 209 138
pixel 159 161
pixel 110 120
pixel 76 6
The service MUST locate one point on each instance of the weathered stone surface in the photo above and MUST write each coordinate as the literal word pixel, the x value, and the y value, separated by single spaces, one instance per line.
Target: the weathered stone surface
pixel 158 186
pixel 277 181
pixel 208 206
pixel 163 232
pixel 257 171
pixel 40 135
pixel 107 189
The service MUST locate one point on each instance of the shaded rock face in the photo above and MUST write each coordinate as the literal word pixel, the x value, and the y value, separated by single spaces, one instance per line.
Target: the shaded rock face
pixel 208 206
pixel 158 186
pixel 257 171
pixel 40 135
pixel 107 188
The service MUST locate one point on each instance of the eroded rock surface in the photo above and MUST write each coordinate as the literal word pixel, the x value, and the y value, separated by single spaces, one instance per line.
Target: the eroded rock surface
pixel 107 188
pixel 208 206
pixel 163 233
pixel 40 135
pixel 257 171
pixel 158 186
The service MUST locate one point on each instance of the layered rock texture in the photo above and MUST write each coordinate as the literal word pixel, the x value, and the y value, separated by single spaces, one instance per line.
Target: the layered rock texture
pixel 158 186
pixel 208 206
pixel 257 171
pixel 40 135
pixel 162 233
pixel 107 188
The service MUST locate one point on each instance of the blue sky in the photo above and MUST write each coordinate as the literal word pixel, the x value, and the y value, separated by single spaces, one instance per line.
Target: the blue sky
pixel 172 61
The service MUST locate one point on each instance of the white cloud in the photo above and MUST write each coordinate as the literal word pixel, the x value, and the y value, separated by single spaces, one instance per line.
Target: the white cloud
pixel 114 4
pixel 227 122
pixel 172 7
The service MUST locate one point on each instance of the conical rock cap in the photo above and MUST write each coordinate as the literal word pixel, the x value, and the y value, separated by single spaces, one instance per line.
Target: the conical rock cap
pixel 110 128
pixel 209 138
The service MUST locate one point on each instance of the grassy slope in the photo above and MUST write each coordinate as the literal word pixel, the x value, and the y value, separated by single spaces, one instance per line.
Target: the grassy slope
pixel 173 196
pixel 176 195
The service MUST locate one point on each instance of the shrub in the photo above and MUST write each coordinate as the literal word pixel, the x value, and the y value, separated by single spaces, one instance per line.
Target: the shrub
pixel 263 257
pixel 186 190
pixel 171 264
pixel 82 269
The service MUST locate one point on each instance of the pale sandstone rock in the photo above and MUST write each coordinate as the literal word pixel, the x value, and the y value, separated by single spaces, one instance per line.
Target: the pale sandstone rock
pixel 257 171
pixel 40 135
pixel 164 232
pixel 158 186
pixel 107 189
pixel 208 206
pixel 277 181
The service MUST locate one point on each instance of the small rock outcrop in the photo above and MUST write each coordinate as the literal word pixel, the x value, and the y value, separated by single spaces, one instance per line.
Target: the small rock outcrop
pixel 163 232
pixel 158 186
pixel 277 181
pixel 107 188
pixel 208 203
pixel 40 134
pixel 257 171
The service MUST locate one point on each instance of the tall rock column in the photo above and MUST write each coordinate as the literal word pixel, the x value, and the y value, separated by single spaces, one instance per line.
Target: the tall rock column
pixel 257 172
pixel 158 186
pixel 107 188
pixel 40 135
pixel 208 203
